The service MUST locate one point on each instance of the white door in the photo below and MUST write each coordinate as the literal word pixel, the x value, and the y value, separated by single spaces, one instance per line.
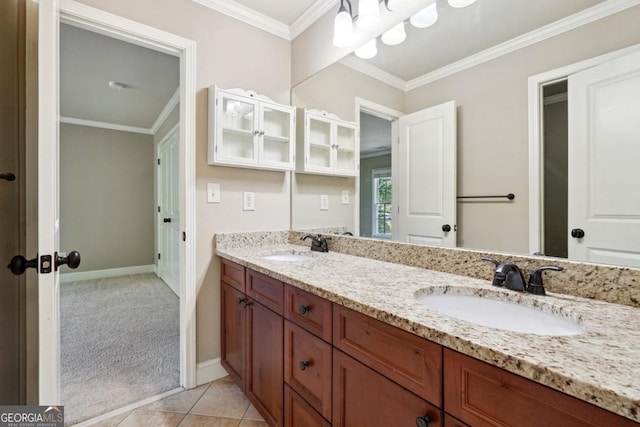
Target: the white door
pixel 169 211
pixel 48 206
pixel 424 177
pixel 604 150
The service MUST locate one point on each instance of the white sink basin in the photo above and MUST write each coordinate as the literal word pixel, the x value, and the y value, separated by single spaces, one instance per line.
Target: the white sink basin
pixel 287 257
pixel 496 313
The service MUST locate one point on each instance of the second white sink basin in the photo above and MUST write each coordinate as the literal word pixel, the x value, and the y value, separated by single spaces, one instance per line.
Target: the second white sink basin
pixel 496 313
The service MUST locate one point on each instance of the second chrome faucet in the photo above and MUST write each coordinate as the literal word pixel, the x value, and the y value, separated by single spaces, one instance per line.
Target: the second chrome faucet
pixel 509 276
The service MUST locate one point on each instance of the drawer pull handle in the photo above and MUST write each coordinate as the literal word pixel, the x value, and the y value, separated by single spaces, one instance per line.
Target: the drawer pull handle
pixel 243 302
pixel 304 365
pixel 423 421
pixel 304 309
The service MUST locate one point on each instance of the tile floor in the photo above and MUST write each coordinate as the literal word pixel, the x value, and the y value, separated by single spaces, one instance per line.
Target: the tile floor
pixel 217 404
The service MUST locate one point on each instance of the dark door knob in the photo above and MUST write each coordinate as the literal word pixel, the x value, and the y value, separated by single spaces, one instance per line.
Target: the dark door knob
pixel 72 260
pixel 303 309
pixel 7 176
pixel 166 219
pixel 577 233
pixel 19 264
pixel 446 228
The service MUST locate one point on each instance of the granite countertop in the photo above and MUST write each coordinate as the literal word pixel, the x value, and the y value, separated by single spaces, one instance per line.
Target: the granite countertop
pixel 600 366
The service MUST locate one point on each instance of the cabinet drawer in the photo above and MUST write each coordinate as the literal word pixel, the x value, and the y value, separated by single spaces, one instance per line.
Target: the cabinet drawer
pixel 309 311
pixel 484 395
pixel 411 361
pixel 363 397
pixel 266 290
pixel 298 413
pixel 307 367
pixel 232 274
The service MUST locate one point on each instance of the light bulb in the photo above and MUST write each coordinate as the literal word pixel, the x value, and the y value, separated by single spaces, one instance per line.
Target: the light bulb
pixel 343 34
pixel 426 17
pixel 367 50
pixel 369 13
pixel 394 36
pixel 395 4
pixel 460 3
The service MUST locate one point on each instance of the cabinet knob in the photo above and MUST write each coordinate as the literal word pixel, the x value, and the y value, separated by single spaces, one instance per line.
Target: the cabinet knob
pixel 304 309
pixel 423 421
pixel 304 365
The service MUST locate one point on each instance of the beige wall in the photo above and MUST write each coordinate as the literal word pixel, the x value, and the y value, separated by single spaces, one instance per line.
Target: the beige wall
pixel 229 54
pixel 305 204
pixel 107 196
pixel 493 125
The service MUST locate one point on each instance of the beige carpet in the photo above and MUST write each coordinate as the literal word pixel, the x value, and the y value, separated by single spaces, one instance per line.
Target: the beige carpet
pixel 120 343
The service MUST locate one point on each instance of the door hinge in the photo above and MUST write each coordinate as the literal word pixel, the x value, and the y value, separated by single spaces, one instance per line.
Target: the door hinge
pixel 398 210
pixel 158 255
pixel 184 236
pixel 158 162
pixel 158 209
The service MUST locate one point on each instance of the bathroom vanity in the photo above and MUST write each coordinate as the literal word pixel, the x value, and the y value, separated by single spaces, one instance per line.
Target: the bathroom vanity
pixel 318 339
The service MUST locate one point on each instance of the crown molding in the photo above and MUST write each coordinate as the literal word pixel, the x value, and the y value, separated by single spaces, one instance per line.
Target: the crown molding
pixel 104 125
pixel 372 71
pixel 248 16
pixel 310 16
pixel 175 99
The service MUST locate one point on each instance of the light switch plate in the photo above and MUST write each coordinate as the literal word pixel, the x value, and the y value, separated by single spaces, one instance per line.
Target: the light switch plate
pixel 345 197
pixel 324 202
pixel 249 201
pixel 213 192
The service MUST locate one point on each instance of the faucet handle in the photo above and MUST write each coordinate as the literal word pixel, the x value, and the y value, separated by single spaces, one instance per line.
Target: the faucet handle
pixel 496 281
pixel 535 285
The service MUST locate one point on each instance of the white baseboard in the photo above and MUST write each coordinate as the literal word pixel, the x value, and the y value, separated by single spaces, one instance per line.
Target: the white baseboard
pixel 111 272
pixel 210 370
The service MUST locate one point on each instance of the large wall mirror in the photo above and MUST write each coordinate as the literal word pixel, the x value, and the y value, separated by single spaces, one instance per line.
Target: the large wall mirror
pixel 482 58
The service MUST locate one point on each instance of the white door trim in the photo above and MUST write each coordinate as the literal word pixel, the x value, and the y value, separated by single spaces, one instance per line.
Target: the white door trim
pixel 378 110
pixel 536 99
pixel 96 20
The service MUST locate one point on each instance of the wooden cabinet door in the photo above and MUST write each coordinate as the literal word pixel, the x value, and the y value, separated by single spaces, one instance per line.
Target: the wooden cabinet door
pixel 362 397
pixel 233 332
pixel 265 362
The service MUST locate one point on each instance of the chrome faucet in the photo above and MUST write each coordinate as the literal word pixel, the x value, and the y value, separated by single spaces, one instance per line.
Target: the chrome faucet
pixel 508 275
pixel 318 242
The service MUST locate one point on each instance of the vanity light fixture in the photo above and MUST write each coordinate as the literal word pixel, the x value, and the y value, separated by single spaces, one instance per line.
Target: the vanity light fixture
pixel 367 50
pixel 343 35
pixel 425 17
pixel 460 3
pixel 395 35
pixel 368 13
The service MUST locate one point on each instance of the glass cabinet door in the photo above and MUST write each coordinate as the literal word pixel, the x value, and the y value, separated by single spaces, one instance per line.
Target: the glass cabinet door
pixel 346 153
pixel 236 139
pixel 319 145
pixel 278 135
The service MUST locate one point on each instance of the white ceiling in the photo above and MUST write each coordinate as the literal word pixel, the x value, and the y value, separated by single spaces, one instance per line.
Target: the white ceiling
pixel 88 61
pixel 285 11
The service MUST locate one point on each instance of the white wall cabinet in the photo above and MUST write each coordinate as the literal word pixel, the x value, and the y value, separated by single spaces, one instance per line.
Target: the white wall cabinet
pixel 326 144
pixel 250 130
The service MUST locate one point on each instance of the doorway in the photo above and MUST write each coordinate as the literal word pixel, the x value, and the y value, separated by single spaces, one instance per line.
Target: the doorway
pixel 375 176
pixel 116 101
